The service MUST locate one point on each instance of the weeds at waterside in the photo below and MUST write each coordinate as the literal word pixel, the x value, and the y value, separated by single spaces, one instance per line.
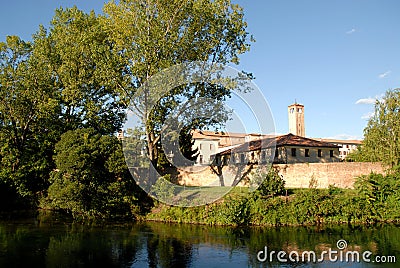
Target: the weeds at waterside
pixel 375 198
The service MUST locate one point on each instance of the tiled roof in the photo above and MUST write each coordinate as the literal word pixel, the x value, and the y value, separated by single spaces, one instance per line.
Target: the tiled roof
pixel 198 134
pixel 357 142
pixel 279 141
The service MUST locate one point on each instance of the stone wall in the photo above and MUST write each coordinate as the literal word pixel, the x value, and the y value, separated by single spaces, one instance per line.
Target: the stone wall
pixel 341 174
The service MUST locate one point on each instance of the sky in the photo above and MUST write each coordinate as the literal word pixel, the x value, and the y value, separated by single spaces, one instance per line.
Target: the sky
pixel 334 57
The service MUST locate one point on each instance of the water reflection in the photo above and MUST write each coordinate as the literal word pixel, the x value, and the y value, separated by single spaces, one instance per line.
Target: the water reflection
pixel 36 243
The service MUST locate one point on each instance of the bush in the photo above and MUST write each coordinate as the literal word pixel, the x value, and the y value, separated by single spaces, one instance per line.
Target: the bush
pixel 272 184
pixel 163 189
pixel 91 180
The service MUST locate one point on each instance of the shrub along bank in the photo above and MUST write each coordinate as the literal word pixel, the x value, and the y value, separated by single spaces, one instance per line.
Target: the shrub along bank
pixel 376 198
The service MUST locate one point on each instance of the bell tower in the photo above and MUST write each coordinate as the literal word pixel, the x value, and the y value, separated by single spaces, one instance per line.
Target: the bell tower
pixel 296 119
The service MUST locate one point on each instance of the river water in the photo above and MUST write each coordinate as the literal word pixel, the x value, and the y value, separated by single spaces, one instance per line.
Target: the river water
pixel 57 243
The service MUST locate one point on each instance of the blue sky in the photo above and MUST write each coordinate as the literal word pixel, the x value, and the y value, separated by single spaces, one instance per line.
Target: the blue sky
pixel 335 57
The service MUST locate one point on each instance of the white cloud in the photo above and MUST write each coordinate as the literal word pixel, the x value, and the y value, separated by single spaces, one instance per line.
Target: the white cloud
pixel 367 116
pixel 351 31
pixel 366 101
pixel 345 137
pixel 370 100
pixel 383 75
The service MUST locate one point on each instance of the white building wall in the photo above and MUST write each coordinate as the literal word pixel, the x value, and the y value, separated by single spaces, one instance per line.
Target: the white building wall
pixel 207 148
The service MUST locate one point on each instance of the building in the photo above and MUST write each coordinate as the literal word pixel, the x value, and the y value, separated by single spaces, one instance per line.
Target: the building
pixel 345 146
pixel 296 119
pixel 291 148
pixel 207 146
pixel 284 149
pixel 210 143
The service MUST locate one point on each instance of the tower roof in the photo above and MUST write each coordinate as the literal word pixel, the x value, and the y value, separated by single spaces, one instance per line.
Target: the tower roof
pixel 296 104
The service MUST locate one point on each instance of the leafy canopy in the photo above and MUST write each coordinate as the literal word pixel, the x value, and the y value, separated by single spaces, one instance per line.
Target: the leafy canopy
pixel 382 134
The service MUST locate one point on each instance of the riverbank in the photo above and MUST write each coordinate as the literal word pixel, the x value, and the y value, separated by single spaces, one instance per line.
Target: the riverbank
pixel 375 198
pixel 298 207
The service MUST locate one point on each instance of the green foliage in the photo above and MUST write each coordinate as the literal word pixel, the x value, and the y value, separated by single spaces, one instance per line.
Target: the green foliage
pixel 272 184
pixel 27 107
pixel 82 69
pixel 333 190
pixel 377 189
pixel 375 199
pixel 382 134
pixel 91 179
pixel 163 189
pixel 234 211
pixel 209 31
pixel 64 94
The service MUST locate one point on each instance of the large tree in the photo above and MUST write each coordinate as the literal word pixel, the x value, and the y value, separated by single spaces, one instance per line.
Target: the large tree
pixel 382 134
pixel 152 35
pixel 76 53
pixel 64 79
pixel 28 107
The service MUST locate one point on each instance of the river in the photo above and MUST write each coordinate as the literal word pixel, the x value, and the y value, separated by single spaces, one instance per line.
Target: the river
pixel 38 242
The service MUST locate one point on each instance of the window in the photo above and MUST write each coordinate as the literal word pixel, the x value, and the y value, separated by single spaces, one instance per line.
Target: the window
pixel 276 153
pixel 201 159
pixel 211 147
pixel 307 153
pixel 201 146
pixel 293 152
pixel 241 158
pixel 291 110
pixel 233 159
pixel 299 110
pixel 331 153
pixel 263 156
pixel 319 153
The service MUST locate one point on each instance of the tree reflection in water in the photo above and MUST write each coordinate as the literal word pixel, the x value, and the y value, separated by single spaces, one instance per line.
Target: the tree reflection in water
pixel 54 244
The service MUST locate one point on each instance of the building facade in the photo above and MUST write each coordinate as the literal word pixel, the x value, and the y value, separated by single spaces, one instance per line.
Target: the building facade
pixel 345 146
pixel 210 143
pixel 208 148
pixel 284 149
